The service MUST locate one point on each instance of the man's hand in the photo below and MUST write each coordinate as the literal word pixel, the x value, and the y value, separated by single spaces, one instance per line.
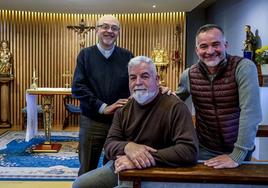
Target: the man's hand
pixel 221 161
pixel 113 107
pixel 167 91
pixel 140 155
pixel 123 163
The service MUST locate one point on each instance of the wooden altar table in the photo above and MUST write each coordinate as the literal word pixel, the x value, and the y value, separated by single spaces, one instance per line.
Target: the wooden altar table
pixel 48 96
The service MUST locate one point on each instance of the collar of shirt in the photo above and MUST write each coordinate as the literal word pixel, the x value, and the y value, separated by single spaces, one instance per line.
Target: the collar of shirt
pixel 105 53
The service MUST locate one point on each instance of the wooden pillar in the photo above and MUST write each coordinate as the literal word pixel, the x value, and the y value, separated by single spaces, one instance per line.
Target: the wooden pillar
pixel 5 102
pixel 259 75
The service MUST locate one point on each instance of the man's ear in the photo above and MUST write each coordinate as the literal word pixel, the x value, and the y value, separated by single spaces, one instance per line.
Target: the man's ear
pixel 226 44
pixel 196 50
pixel 96 29
pixel 157 78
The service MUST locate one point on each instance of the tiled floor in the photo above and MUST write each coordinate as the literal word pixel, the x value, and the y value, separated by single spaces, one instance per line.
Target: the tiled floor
pixel 35 184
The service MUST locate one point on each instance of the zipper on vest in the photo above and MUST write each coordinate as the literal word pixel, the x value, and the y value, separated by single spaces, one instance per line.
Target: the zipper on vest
pixel 215 109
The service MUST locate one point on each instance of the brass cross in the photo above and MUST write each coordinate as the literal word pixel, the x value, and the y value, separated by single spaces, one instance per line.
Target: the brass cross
pixel 67 75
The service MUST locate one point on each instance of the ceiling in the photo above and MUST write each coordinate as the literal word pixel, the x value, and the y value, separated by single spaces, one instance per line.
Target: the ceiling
pixel 100 6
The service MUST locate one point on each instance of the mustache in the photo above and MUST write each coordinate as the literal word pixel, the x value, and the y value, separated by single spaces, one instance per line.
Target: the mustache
pixel 139 88
pixel 109 34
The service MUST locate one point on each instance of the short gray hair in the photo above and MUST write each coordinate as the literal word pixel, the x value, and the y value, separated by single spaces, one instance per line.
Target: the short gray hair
pixel 109 17
pixel 209 27
pixel 143 59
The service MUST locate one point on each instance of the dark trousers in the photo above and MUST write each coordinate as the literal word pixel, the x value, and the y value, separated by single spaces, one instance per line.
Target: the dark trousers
pixel 92 136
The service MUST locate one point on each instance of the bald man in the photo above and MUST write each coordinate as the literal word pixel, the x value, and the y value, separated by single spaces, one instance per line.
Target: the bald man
pixel 100 83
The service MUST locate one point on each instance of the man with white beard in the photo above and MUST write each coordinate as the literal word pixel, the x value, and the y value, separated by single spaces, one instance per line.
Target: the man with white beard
pixel 152 129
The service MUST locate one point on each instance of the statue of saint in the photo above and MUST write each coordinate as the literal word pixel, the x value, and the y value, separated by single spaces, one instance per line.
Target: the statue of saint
pixel 250 42
pixel 6 59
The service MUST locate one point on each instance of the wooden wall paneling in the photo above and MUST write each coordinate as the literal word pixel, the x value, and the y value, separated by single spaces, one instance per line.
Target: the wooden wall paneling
pixel 126 33
pixel 24 68
pixel 136 36
pixel 133 33
pixel 170 47
pixel 127 22
pixel 150 33
pixel 16 115
pixel 182 42
pixel 140 34
pixel 1 25
pixel 18 77
pixel 175 65
pixel 122 34
pixel 10 36
pixel 130 33
pixel 64 38
pixel 55 72
pixel 144 33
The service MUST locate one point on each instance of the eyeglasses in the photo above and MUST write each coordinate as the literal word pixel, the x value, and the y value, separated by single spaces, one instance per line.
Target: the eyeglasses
pixel 106 27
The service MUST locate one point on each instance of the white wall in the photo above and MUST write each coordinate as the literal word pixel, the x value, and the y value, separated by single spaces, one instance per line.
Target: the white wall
pixel 261 143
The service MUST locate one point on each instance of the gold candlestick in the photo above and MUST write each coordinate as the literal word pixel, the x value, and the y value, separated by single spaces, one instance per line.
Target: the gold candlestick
pixel 34 78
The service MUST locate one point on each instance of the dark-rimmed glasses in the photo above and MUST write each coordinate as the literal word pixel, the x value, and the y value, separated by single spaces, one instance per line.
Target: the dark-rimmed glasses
pixel 106 27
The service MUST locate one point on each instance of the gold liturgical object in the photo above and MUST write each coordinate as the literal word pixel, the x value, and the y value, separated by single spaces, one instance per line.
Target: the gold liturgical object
pixel 68 79
pixel 160 58
pixel 34 78
pixel 6 77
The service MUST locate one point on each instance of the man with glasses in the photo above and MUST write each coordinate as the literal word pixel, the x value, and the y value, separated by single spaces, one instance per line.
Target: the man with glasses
pixel 100 83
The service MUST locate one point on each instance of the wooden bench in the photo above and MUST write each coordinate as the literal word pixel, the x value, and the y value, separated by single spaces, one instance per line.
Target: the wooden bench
pixel 249 173
pixel 262 131
pixel 254 173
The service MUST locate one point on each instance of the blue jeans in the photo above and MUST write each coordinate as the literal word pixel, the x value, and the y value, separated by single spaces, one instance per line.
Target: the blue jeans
pixel 103 177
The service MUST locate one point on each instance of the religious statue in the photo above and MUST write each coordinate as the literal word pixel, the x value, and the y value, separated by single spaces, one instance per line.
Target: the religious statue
pixel 6 59
pixel 82 30
pixel 250 42
pixel 175 53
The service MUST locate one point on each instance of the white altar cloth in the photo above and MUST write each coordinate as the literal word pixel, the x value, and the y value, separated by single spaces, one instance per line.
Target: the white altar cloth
pixel 31 100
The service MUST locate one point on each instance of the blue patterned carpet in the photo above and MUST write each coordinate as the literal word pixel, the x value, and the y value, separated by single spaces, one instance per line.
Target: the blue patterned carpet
pixel 17 161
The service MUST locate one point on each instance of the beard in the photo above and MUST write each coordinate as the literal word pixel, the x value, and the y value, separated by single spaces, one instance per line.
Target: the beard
pixel 214 60
pixel 107 40
pixel 143 96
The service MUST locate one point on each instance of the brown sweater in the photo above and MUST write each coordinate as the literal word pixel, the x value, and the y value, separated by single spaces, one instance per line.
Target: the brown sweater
pixel 164 124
